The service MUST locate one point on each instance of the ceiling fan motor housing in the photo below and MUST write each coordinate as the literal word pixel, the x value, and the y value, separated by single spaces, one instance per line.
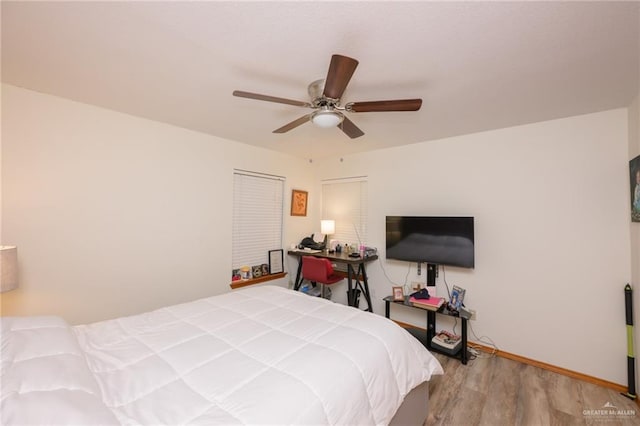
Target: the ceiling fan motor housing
pixel 316 89
pixel 318 99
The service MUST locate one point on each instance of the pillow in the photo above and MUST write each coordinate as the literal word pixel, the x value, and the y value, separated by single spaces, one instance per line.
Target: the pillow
pixel 45 376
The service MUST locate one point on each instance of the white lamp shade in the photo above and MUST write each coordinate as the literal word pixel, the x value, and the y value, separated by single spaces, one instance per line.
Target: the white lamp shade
pixel 326 118
pixel 328 227
pixel 8 268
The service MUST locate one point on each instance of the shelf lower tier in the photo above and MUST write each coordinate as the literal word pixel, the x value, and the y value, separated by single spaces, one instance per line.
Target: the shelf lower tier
pixel 421 336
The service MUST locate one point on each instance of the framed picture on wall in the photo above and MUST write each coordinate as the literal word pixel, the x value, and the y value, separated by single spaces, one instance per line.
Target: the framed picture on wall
pixel 299 202
pixel 634 175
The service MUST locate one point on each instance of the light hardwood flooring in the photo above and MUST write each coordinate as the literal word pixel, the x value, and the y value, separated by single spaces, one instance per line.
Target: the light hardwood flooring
pixel 496 391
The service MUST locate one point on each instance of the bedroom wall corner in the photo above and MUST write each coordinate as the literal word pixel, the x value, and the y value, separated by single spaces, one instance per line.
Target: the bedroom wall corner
pixel 115 214
pixel 544 255
pixel 634 151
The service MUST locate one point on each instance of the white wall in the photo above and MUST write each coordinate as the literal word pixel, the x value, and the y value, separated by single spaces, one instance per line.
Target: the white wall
pixel 552 232
pixel 634 151
pixel 114 214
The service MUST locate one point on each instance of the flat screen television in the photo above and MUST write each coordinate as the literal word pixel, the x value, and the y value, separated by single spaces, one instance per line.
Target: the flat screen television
pixel 431 239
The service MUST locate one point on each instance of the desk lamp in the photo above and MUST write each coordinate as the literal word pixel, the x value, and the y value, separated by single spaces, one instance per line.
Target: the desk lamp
pixel 8 268
pixel 327 227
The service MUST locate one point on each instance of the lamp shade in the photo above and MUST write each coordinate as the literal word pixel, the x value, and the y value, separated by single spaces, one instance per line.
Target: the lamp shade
pixel 326 118
pixel 328 227
pixel 8 268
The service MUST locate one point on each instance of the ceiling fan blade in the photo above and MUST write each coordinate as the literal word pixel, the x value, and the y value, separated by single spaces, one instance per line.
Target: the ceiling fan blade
pixel 341 69
pixel 380 106
pixel 350 129
pixel 293 124
pixel 241 94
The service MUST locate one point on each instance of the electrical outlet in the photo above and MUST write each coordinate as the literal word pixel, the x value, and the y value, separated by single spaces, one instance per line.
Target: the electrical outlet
pixel 474 314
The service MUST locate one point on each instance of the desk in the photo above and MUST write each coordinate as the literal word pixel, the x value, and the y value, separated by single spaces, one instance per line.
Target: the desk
pixel 359 277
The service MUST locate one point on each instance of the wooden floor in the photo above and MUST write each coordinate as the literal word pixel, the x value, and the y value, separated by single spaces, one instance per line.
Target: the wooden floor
pixel 496 391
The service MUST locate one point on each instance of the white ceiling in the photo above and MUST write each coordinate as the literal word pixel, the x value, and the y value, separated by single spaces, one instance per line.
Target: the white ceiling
pixel 476 65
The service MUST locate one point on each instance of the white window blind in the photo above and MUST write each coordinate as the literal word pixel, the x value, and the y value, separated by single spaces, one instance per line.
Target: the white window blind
pixel 257 217
pixel 345 201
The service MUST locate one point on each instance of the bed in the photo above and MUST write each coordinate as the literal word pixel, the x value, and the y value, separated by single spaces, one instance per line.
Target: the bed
pixel 261 355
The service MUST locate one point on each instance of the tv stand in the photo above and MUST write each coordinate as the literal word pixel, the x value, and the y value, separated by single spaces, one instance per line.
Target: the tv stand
pixel 425 337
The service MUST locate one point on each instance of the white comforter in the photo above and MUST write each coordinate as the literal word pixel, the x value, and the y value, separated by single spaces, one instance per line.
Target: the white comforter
pixel 264 355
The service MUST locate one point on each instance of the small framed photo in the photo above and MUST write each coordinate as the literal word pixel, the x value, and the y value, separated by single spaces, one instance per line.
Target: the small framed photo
pixel 256 271
pixel 398 294
pixel 235 275
pixel 457 297
pixel 299 202
pixel 276 261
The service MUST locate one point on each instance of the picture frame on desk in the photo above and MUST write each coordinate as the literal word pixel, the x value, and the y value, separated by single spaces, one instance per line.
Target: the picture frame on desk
pixel 398 294
pixel 457 297
pixel 276 261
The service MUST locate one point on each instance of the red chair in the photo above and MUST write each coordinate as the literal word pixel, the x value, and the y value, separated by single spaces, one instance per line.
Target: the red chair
pixel 319 270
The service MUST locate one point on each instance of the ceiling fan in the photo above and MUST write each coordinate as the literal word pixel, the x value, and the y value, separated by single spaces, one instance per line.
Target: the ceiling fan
pixel 325 100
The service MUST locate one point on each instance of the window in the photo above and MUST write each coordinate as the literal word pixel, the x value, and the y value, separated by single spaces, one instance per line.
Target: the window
pixel 257 217
pixel 345 201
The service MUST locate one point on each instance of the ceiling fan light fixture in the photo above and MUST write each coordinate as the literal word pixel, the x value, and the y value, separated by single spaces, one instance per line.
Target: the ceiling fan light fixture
pixel 326 118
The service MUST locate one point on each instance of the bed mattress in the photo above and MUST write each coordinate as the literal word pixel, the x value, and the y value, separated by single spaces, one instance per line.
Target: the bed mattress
pixel 263 355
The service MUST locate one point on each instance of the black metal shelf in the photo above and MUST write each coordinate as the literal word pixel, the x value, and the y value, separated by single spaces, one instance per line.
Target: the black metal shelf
pixel 425 336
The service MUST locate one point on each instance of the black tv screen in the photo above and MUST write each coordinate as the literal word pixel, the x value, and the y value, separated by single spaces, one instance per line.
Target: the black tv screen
pixel 431 239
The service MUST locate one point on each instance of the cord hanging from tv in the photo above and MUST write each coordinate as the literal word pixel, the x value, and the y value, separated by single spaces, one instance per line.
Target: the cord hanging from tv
pixel 440 240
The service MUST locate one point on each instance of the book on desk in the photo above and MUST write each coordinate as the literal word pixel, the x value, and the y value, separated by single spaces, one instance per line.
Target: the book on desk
pixel 432 303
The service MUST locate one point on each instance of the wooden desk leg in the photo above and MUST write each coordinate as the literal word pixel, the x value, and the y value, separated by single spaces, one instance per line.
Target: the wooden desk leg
pixel 367 295
pixel 298 282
